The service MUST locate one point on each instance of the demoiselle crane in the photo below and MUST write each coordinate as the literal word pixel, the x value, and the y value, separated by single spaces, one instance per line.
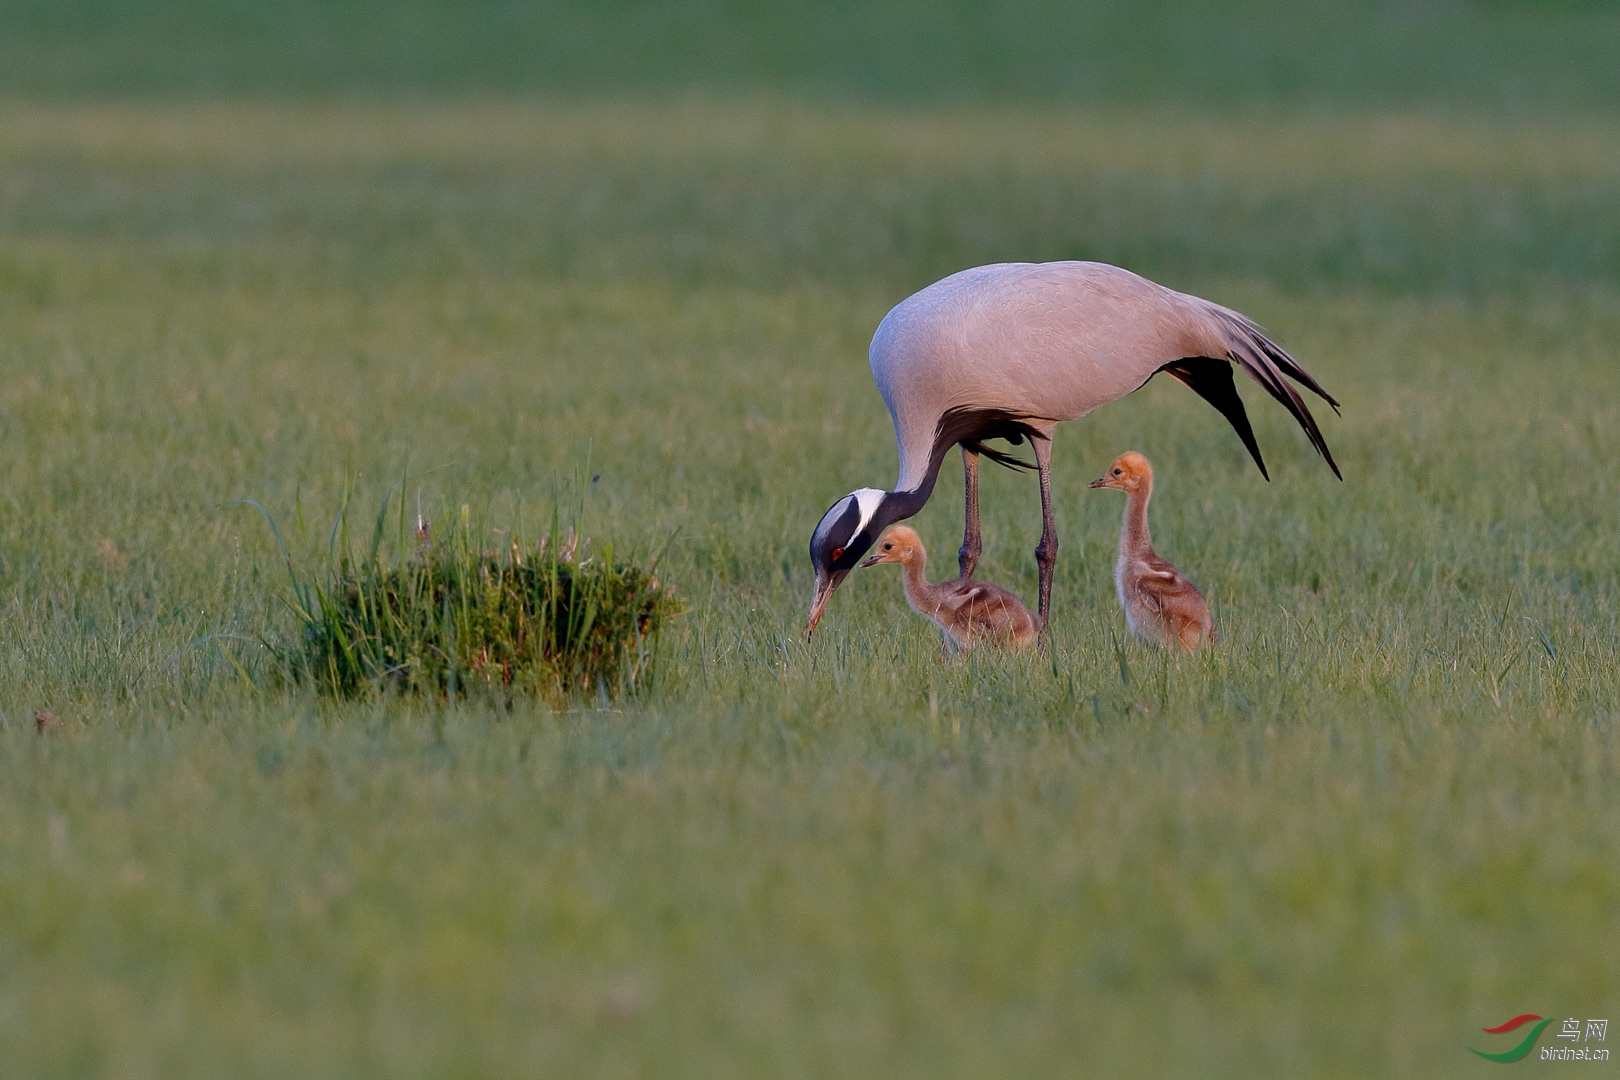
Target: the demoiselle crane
pixel 1009 351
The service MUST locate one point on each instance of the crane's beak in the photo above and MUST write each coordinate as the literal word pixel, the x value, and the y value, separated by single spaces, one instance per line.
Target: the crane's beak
pixel 826 582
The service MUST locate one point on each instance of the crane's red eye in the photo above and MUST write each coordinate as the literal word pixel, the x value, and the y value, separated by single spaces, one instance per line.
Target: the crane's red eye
pixel 838 553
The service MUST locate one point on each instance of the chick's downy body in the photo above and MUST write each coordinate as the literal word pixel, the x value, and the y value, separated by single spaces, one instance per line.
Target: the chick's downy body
pixel 1161 605
pixel 969 612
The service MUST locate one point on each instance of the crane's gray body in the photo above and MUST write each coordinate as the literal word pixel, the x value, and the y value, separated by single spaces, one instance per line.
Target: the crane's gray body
pixel 1044 342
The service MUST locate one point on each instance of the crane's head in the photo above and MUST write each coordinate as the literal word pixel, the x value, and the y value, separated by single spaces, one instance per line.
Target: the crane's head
pixel 843 536
pixel 1129 473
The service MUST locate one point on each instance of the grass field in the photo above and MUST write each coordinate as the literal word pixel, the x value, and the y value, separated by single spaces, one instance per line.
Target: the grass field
pixel 1379 816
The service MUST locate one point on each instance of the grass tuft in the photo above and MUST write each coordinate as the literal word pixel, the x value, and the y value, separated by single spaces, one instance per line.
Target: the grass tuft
pixel 453 618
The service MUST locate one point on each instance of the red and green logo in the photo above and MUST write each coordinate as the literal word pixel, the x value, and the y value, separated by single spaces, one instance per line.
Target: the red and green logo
pixel 1527 1044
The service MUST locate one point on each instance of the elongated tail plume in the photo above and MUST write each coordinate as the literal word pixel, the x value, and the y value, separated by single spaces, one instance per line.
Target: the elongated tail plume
pixel 1264 361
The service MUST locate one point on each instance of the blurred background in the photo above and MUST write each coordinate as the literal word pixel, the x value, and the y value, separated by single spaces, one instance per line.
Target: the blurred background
pixel 1552 56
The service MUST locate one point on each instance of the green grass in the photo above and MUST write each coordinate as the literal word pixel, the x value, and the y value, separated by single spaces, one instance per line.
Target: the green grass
pixel 1379 816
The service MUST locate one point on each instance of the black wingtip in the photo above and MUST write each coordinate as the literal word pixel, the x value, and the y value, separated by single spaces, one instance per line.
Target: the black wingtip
pixel 1000 457
pixel 1212 380
pixel 1254 450
pixel 1266 364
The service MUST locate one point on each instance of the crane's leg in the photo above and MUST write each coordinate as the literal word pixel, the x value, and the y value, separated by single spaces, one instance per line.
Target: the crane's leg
pixel 1046 550
pixel 968 557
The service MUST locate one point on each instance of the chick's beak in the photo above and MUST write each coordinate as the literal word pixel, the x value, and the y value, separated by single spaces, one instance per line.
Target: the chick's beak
pixel 1101 481
pixel 872 560
pixel 826 582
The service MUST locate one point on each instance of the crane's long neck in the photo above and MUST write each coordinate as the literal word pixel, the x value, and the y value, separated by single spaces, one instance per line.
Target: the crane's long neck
pixel 899 505
pixel 1134 538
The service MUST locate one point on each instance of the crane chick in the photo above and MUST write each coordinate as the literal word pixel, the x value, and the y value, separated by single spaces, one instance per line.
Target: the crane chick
pixel 1161 605
pixel 968 611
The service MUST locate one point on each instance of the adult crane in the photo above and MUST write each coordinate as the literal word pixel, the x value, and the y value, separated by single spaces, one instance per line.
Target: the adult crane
pixel 1009 351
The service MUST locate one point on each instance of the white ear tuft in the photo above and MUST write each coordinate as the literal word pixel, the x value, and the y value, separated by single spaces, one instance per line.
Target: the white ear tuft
pixel 868 498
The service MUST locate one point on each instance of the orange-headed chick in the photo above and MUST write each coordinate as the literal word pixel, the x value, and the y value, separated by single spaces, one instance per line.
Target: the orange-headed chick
pixel 968 611
pixel 1161 606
